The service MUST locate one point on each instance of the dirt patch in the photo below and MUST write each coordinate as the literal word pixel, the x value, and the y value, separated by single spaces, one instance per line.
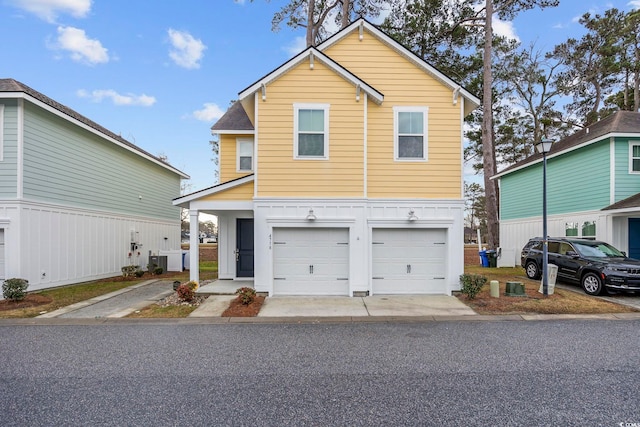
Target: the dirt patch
pixel 238 309
pixel 561 302
pixel 31 300
pixel 471 256
pixel 207 251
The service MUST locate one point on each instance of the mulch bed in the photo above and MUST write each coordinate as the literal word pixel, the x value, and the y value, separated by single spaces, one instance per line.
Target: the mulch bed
pixel 238 309
pixel 31 300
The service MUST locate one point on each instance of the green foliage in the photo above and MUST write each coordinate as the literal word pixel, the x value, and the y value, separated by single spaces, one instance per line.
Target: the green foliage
pixel 130 270
pixel 158 271
pixel 185 293
pixel 139 273
pixel 472 284
pixel 15 289
pixel 246 295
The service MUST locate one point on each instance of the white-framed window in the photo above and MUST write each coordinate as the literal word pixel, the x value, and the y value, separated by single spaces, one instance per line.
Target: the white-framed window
pixel 311 131
pixel 244 155
pixel 634 156
pixel 589 229
pixel 410 133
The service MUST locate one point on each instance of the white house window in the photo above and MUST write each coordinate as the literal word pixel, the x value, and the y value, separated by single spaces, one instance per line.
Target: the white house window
pixel 311 131
pixel 589 229
pixel 410 133
pixel 571 229
pixel 244 155
pixel 634 157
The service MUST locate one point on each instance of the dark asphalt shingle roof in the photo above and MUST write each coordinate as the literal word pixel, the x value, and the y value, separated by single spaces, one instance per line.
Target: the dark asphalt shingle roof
pixel 234 119
pixel 11 85
pixel 625 122
pixel 629 202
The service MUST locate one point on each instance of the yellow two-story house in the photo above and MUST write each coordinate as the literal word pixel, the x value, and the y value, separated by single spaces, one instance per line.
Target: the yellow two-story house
pixel 341 174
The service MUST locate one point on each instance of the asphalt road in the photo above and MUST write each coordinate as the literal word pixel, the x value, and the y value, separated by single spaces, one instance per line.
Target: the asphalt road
pixel 546 373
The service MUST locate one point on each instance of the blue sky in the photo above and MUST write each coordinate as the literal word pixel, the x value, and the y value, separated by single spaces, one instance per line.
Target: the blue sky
pixel 160 73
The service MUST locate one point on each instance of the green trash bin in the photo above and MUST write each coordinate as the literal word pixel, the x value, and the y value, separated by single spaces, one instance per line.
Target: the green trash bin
pixel 493 259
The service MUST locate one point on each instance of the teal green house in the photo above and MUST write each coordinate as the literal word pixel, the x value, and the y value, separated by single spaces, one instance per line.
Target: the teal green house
pixel 77 202
pixel 593 189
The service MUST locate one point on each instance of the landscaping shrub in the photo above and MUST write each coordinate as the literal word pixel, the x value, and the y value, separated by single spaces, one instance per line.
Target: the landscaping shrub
pixel 15 289
pixel 193 285
pixel 185 293
pixel 158 271
pixel 139 273
pixel 129 270
pixel 472 284
pixel 246 295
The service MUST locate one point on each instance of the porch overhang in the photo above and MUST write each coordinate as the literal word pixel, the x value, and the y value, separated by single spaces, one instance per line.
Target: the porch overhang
pixel 216 198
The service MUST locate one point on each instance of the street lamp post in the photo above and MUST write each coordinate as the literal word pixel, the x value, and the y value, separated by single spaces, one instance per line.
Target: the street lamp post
pixel 544 146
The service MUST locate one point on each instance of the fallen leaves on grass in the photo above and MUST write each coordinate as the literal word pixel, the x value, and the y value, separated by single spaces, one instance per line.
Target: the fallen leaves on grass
pixel 561 302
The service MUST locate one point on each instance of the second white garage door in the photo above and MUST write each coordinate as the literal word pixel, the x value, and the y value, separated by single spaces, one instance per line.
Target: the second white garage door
pixel 409 261
pixel 311 261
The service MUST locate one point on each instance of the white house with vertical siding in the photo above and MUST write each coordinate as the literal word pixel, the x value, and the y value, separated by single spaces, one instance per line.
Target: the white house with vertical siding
pixel 77 202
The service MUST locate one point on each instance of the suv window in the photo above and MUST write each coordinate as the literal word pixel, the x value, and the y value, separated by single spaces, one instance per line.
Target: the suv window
pixel 554 247
pixel 564 248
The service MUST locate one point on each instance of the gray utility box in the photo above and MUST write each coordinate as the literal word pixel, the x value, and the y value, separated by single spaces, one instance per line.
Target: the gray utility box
pixel 159 261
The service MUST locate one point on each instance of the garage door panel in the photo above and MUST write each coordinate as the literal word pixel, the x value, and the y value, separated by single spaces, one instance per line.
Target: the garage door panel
pixel 311 261
pixel 409 261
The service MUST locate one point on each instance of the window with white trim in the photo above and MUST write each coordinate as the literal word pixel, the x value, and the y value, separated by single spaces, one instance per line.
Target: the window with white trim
pixel 634 157
pixel 410 133
pixel 244 155
pixel 311 131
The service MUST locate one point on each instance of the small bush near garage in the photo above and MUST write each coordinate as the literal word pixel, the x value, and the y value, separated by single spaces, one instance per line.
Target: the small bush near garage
pixel 472 284
pixel 246 295
pixel 185 292
pixel 15 289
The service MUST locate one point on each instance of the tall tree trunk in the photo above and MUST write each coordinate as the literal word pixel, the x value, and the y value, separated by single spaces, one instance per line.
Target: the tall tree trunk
pixel 311 36
pixel 345 13
pixel 488 150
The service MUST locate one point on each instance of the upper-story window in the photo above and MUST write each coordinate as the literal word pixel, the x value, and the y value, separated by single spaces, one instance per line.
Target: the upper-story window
pixel 244 155
pixel 311 131
pixel 410 133
pixel 634 157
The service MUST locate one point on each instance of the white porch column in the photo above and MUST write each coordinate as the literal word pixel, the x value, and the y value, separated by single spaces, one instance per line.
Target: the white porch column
pixel 194 246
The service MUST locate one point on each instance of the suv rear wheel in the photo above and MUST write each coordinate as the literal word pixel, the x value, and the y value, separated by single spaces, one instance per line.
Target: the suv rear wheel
pixel 532 270
pixel 592 284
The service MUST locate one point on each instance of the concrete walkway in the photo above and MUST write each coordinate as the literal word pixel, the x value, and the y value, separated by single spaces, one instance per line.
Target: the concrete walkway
pixel 116 304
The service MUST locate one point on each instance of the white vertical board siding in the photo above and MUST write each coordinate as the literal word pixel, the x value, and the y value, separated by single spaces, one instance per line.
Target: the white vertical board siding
pixel 2 274
pixel 62 246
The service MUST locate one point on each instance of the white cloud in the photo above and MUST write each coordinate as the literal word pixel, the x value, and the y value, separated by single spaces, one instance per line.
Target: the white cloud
pixel 634 4
pixel 504 29
pixel 239 1
pixel 209 113
pixel 50 9
pixel 296 46
pixel 81 48
pixel 187 51
pixel 118 99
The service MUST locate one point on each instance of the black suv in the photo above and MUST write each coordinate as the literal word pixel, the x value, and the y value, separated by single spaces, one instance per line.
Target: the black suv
pixel 595 265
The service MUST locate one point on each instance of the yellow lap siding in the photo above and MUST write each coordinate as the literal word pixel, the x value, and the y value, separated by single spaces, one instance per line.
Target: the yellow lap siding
pixel 342 174
pixel 227 157
pixel 403 83
pixel 242 192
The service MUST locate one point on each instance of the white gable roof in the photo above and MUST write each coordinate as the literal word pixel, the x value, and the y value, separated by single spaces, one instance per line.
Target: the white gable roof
pixel 312 54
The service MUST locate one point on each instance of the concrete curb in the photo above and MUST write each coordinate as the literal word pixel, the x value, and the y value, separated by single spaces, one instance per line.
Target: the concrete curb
pixel 40 321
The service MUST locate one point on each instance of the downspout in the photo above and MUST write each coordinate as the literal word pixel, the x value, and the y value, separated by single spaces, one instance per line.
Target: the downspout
pixel 365 151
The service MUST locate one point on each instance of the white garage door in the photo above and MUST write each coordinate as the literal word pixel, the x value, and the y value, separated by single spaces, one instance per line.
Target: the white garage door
pixel 409 261
pixel 311 261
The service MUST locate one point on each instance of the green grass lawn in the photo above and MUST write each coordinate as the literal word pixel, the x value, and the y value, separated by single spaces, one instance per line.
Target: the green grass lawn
pixel 71 294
